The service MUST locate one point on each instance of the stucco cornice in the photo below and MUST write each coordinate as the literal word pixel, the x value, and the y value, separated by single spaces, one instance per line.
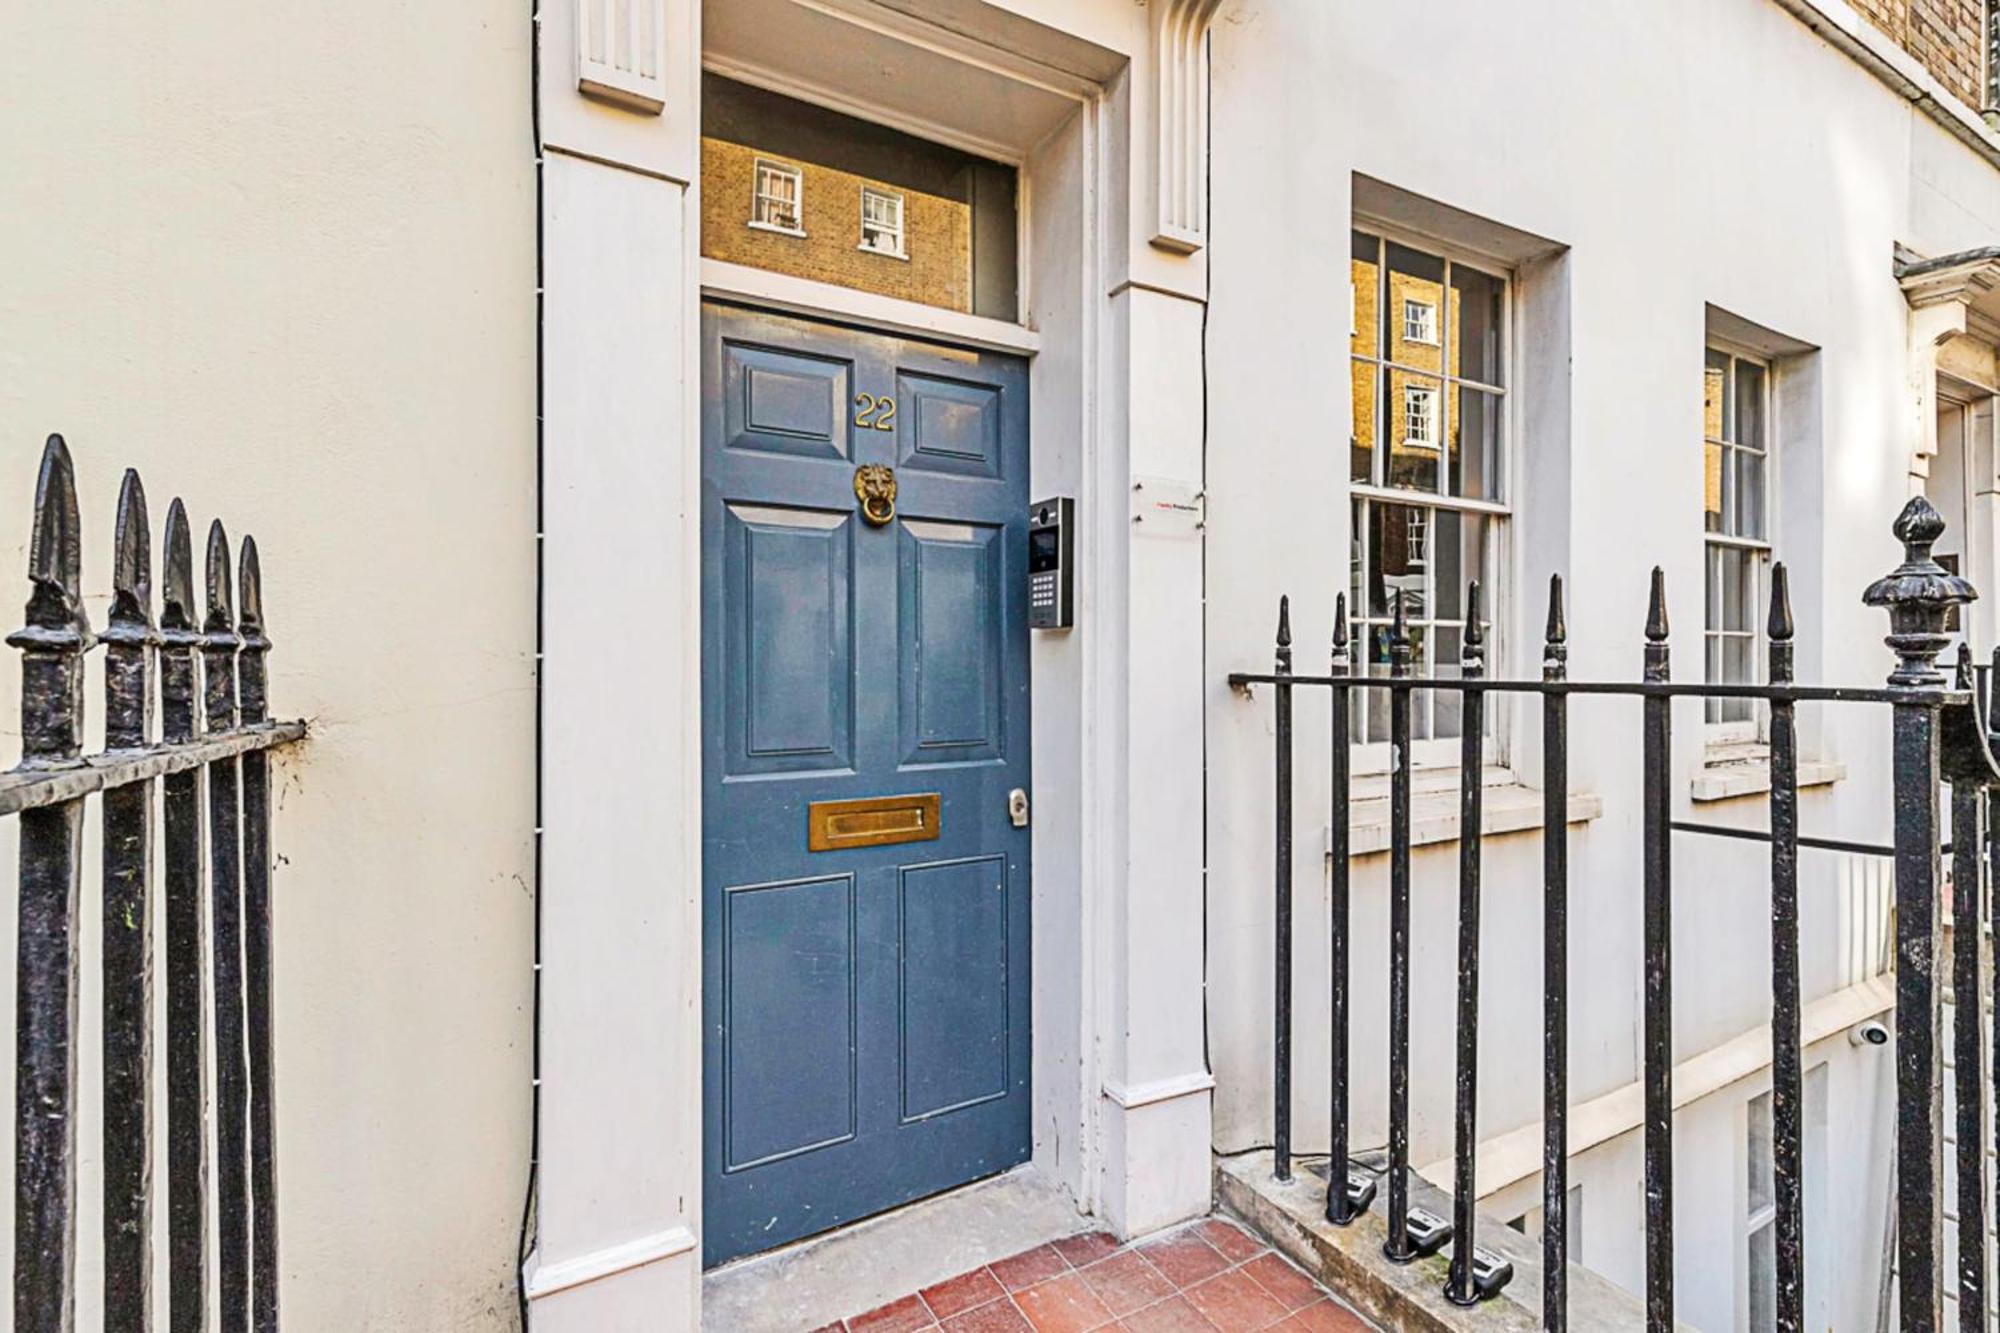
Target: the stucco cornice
pixel 1969 278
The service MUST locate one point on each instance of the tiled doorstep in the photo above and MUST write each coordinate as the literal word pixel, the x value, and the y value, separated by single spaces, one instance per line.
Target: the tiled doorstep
pixel 1206 1277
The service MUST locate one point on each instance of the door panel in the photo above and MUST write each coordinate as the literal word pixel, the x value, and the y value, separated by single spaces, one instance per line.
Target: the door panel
pixel 954 985
pixel 952 426
pixel 788 990
pixel 950 617
pixel 866 1006
pixel 790 635
pixel 781 402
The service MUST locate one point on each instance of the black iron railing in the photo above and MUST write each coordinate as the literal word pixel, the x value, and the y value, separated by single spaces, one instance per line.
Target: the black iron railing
pixel 1941 734
pixel 208 737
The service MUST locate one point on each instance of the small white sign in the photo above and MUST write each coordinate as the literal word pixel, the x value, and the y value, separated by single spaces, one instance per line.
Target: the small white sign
pixel 1166 507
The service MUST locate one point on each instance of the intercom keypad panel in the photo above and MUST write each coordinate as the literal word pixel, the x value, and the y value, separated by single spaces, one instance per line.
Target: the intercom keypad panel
pixel 1051 563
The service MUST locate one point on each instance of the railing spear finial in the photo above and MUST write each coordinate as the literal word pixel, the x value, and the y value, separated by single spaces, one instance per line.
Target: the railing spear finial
pixel 1918 595
pixel 177 604
pixel 1399 637
pixel 132 565
pixel 1656 628
pixel 250 625
pixel 1555 639
pixel 1472 647
pixel 1778 626
pixel 1341 656
pixel 1284 635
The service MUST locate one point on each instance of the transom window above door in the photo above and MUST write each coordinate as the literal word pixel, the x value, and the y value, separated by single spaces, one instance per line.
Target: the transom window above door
pixel 1427 455
pixel 798 189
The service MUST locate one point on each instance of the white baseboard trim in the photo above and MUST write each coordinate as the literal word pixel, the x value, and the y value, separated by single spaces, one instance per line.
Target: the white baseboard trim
pixel 548 1279
pixel 1159 1090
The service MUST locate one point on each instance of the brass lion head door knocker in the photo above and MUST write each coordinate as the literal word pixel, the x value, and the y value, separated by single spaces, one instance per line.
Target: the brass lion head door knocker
pixel 875 487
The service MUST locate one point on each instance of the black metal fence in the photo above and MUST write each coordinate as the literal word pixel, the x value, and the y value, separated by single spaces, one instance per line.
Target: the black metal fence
pixel 208 763
pixel 1942 734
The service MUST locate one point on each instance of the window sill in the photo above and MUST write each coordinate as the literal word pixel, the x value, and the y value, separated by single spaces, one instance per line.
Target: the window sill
pixel 1507 807
pixel 775 229
pixel 1745 770
pixel 884 254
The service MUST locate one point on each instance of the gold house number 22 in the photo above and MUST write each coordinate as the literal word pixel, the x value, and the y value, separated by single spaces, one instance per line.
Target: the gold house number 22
pixel 870 411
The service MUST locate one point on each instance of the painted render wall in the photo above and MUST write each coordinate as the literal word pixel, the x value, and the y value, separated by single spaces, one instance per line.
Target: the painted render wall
pixel 1741 163
pixel 281 257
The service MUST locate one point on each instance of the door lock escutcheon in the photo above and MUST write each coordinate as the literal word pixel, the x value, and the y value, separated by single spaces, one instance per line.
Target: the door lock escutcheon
pixel 1017 807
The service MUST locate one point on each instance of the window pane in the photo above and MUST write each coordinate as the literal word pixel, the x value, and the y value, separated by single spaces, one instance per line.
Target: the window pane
pixel 1414 401
pixel 1458 555
pixel 1711 486
pixel 1420 665
pixel 1472 459
pixel 1448 705
pixel 1361 444
pixel 1761 1192
pixel 1749 405
pixel 1737 649
pixel 1715 395
pixel 1413 277
pixel 1763 1279
pixel 1739 598
pixel 1476 314
pixel 1398 549
pixel 1712 591
pixel 1357 538
pixel 1712 671
pixel 1749 493
pixel 1367 296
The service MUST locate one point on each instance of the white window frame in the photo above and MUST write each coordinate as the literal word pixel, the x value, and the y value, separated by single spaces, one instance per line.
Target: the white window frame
pixel 1420 417
pixel 1370 758
pixel 1752 729
pixel 1420 322
pixel 770 167
pixel 901 249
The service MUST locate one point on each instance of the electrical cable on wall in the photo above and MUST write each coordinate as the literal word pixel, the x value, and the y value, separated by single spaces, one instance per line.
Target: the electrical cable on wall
pixel 535 1007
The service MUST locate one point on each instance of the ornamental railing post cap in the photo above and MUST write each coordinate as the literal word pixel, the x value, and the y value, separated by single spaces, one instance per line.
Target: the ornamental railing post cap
pixel 1918 595
pixel 1920 578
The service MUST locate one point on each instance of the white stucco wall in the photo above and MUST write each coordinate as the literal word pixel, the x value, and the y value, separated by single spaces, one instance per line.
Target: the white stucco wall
pixel 281 258
pixel 1712 152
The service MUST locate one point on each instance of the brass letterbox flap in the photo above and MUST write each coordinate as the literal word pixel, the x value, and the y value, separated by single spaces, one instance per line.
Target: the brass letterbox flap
pixel 871 821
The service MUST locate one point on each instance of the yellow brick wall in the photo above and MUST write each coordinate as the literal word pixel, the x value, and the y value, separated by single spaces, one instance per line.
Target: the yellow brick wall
pixel 937 232
pixel 1944 35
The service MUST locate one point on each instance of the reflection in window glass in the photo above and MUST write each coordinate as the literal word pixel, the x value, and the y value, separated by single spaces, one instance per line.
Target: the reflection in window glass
pixel 1428 458
pixel 1425 556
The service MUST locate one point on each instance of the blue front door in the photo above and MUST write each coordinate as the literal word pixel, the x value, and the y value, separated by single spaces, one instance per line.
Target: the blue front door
pixel 864 723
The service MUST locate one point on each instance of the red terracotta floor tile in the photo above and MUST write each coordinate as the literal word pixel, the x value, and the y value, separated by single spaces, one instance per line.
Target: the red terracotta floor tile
pixel 1029 1267
pixel 959 1294
pixel 1125 1282
pixel 1062 1305
pixel 1173 1315
pixel 902 1316
pixel 1087 1248
pixel 1232 1241
pixel 1184 1257
pixel 995 1317
pixel 1326 1317
pixel 1235 1302
pixel 1291 1288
